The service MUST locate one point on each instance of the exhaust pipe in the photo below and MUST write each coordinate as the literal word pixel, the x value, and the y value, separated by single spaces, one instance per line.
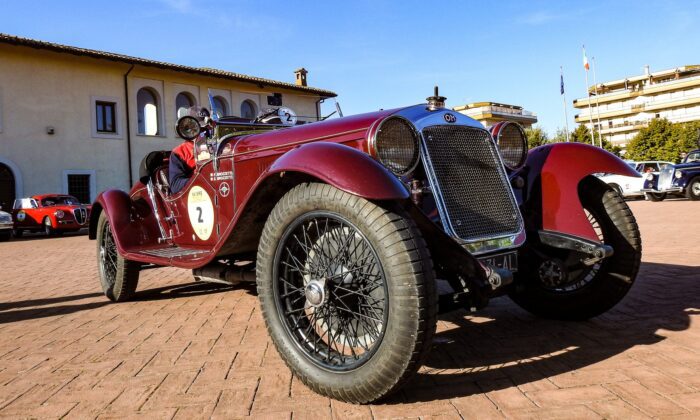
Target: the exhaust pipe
pixel 223 274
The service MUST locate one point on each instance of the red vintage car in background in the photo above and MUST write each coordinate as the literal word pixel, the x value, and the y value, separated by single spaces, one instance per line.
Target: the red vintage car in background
pixel 49 213
pixel 360 230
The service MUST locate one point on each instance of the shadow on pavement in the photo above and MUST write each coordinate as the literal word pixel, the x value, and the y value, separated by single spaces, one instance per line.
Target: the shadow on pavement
pixel 4 306
pixel 189 290
pixel 43 309
pixel 504 346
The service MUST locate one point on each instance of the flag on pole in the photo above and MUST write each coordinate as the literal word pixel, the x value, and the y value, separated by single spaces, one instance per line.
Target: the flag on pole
pixel 585 60
pixel 561 84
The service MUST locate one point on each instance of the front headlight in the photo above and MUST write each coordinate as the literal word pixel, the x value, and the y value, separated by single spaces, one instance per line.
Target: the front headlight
pixel 650 177
pixel 512 143
pixel 395 145
pixel 59 214
pixel 679 174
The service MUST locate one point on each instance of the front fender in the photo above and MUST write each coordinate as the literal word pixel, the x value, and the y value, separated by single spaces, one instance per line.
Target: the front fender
pixel 345 168
pixel 555 171
pixel 118 208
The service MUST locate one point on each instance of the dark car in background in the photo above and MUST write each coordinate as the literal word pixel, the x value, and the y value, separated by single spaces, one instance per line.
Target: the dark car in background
pixel 682 179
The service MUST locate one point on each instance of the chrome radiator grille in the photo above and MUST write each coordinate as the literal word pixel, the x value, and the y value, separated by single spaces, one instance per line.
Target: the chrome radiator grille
pixel 80 215
pixel 665 178
pixel 472 188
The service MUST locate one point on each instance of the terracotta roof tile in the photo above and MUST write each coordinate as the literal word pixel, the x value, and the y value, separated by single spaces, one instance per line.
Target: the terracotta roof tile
pixel 27 42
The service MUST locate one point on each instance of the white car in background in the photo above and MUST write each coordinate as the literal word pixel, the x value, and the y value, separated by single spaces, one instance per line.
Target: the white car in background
pixel 5 225
pixel 628 186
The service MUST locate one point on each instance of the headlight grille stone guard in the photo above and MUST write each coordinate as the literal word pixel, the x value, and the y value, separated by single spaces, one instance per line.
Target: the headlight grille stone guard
pixel 472 187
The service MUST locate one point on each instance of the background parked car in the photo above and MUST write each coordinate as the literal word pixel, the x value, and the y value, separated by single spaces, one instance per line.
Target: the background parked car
pixel 5 225
pixel 630 187
pixel 682 179
pixel 50 213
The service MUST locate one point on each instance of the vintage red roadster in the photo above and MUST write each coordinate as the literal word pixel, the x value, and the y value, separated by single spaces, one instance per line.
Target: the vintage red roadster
pixel 360 230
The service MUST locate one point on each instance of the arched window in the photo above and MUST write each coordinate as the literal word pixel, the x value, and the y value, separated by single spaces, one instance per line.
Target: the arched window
pixel 183 102
pixel 147 104
pixel 248 109
pixel 220 106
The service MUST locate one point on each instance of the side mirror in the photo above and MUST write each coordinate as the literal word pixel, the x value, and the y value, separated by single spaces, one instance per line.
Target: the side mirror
pixel 188 127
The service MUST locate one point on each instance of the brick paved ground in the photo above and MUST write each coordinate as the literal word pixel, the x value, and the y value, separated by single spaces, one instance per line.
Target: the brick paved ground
pixel 189 351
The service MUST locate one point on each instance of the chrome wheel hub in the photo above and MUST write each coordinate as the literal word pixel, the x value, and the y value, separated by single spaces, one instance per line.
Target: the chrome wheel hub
pixel 315 293
pixel 696 188
pixel 552 273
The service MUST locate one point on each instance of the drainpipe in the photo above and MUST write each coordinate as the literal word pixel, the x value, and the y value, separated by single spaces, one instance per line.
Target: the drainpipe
pixel 318 107
pixel 128 124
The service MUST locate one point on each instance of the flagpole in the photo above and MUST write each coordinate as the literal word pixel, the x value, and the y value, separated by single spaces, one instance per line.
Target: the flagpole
pixel 563 95
pixel 590 111
pixel 597 104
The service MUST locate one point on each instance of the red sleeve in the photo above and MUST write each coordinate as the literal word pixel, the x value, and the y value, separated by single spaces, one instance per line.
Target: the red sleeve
pixel 185 153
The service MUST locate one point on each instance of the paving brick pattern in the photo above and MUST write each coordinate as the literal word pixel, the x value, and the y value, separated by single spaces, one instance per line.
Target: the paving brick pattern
pixel 184 350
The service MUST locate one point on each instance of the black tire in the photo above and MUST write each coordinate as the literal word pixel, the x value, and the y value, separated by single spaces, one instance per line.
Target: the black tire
pixel 584 292
pixel 48 227
pixel 395 273
pixel 692 191
pixel 618 189
pixel 118 276
pixel 17 233
pixel 657 196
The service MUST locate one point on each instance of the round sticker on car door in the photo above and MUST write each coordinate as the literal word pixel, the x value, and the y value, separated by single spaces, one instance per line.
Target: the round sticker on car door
pixel 201 212
pixel 21 215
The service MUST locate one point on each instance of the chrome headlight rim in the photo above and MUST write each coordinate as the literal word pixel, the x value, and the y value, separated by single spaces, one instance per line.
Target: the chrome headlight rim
pixel 498 130
pixel 679 174
pixel 59 213
pixel 374 149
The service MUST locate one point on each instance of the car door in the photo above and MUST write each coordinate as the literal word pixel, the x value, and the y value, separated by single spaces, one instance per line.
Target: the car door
pixel 25 212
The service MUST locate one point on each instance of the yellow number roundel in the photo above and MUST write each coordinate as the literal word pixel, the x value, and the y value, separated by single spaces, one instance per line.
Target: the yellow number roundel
pixel 201 212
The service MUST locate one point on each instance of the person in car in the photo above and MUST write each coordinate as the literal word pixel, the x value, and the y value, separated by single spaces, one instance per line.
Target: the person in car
pixel 181 166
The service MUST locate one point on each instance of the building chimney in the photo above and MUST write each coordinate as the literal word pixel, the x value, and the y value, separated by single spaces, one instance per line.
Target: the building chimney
pixel 300 76
pixel 646 70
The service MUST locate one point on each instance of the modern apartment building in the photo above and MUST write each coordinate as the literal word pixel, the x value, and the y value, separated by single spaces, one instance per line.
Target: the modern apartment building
pixel 626 105
pixel 489 113
pixel 79 121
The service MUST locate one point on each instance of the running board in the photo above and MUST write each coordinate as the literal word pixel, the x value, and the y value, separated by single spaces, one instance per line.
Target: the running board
pixel 172 252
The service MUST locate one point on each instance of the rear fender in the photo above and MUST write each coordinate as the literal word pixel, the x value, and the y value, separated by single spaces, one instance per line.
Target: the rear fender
pixel 553 173
pixel 343 167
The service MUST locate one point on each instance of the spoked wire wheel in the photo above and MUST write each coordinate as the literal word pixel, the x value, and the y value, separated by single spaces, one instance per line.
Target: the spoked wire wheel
pixel 347 291
pixel 564 272
pixel 118 276
pixel 107 254
pixel 555 283
pixel 331 290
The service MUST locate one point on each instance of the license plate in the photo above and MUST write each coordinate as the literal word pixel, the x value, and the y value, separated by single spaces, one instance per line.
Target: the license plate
pixel 509 261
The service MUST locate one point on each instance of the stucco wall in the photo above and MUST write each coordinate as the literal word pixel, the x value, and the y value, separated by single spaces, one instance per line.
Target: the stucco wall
pixel 41 89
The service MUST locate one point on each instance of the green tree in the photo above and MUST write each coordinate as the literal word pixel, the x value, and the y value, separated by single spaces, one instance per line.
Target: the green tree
pixel 664 140
pixel 650 142
pixel 536 137
pixel 560 136
pixel 583 135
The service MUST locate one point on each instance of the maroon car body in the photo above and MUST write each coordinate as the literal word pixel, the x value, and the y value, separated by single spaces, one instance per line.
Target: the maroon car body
pixel 485 217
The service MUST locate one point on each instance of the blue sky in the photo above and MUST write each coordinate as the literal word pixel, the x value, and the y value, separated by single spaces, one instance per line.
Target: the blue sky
pixel 383 54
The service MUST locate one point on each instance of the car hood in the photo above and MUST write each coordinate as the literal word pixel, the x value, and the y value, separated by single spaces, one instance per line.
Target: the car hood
pixel 691 165
pixel 352 127
pixel 66 207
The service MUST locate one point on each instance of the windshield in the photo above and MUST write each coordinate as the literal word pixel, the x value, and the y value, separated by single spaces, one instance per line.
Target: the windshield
pixel 59 200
